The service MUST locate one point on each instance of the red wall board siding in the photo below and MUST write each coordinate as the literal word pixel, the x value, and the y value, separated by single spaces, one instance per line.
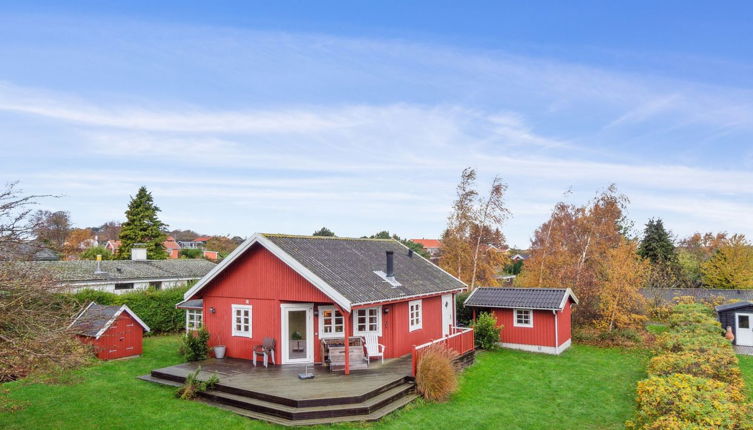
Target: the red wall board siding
pixel 401 340
pixel 564 323
pixel 542 332
pixel 122 339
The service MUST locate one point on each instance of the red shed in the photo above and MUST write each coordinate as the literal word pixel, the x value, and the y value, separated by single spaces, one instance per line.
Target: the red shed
pixel 308 293
pixel 534 319
pixel 115 331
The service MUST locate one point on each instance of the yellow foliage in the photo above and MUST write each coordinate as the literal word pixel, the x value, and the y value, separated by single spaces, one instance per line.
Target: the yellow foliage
pixel 731 266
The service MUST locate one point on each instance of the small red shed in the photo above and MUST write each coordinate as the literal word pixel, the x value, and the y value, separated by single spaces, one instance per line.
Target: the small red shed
pixel 115 331
pixel 534 319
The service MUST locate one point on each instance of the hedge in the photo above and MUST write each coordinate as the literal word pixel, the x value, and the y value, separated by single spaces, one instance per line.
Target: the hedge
pixel 155 307
pixel 694 380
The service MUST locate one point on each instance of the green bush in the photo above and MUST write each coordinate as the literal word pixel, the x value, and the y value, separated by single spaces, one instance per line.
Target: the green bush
pixel 464 315
pixel 155 307
pixel 485 331
pixel 721 365
pixel 191 253
pixel 687 402
pixel 195 345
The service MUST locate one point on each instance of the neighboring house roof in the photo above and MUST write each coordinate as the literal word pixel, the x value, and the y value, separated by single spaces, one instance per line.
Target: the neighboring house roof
pixel 520 298
pixel 520 257
pixel 122 270
pixel 171 244
pixel 667 295
pixel 202 239
pixel 428 243
pixel 344 269
pixel 732 306
pixel 95 319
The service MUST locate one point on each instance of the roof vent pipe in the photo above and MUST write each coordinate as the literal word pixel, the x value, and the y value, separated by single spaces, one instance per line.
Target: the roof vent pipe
pixel 390 272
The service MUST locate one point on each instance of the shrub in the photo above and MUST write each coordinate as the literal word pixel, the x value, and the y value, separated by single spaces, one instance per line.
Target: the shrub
pixel 672 342
pixel 436 378
pixel 485 331
pixel 195 345
pixel 688 402
pixel 721 365
pixel 192 386
pixel 464 315
pixel 191 253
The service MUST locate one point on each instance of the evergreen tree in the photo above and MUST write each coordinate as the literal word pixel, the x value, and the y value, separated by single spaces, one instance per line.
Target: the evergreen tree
pixel 658 248
pixel 324 231
pixel 142 226
pixel 657 245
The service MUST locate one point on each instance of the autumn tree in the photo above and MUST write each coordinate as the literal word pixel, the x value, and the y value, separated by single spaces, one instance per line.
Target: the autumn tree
pixel 142 226
pixel 16 222
pixel 324 231
pixel 568 250
pixel 620 303
pixel 108 231
pixel 76 241
pixel 222 244
pixel 52 228
pixel 731 266
pixel 473 244
pixel 696 249
pixel 94 251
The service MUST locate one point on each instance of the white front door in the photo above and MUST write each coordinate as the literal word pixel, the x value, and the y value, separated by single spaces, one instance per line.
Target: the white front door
pixel 297 332
pixel 744 329
pixel 448 307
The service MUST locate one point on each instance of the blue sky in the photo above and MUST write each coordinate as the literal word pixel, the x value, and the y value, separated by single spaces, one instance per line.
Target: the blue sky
pixel 284 117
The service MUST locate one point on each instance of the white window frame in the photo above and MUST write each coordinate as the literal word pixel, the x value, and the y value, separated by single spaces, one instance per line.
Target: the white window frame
pixel 378 331
pixel 194 319
pixel 515 322
pixel 242 333
pixel 333 334
pixel 415 322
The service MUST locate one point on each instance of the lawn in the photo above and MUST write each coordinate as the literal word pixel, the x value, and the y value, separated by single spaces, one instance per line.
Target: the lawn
pixel 585 388
pixel 746 367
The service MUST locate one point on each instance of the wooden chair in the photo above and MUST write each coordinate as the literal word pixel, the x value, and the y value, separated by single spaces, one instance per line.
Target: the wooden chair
pixel 266 349
pixel 373 347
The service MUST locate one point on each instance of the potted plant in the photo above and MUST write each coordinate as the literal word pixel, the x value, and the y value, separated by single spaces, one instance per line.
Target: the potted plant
pixel 219 349
pixel 297 337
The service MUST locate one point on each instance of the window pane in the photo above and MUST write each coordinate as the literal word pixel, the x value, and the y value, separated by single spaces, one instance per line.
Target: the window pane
pixel 743 321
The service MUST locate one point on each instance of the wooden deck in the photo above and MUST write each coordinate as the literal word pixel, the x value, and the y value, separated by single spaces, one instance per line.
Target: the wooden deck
pixel 276 394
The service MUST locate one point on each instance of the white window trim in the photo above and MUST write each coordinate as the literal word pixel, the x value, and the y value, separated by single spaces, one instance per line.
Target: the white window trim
pixel 322 334
pixel 378 332
pixel 419 303
pixel 250 321
pixel 200 319
pixel 515 318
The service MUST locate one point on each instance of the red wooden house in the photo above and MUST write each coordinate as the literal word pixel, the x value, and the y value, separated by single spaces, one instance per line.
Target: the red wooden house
pixel 114 331
pixel 533 319
pixel 300 290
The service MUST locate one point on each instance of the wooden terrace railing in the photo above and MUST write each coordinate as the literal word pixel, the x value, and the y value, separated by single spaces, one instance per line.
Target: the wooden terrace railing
pixel 459 340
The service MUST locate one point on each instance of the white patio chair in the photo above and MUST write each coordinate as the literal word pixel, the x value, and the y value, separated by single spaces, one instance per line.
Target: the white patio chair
pixel 373 347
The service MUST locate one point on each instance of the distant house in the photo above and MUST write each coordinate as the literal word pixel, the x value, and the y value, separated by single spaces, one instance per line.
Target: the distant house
pixel 519 257
pixel 198 243
pixel 119 276
pixel 172 247
pixel 112 246
pixel 113 331
pixel 533 319
pixel 432 246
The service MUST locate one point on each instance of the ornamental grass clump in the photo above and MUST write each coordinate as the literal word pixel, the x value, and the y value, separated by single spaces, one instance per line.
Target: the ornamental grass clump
pixel 193 385
pixel 436 376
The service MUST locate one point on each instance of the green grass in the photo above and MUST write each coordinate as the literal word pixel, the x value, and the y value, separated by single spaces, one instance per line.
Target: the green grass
pixel 585 388
pixel 746 367
pixel 657 328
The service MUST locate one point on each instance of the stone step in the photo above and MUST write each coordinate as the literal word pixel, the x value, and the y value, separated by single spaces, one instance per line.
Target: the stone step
pixel 311 412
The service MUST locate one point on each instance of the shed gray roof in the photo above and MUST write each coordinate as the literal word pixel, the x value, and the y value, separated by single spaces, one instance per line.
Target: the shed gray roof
pixel 93 319
pixel 123 270
pixel 348 266
pixel 667 295
pixel 528 298
pixel 732 306
pixel 191 304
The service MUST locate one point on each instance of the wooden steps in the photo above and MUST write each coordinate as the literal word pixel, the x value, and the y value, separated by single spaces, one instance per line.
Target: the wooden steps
pixel 368 406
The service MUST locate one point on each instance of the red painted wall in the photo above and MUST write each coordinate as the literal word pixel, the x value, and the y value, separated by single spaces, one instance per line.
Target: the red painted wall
pixel 564 323
pixel 263 281
pixel 122 339
pixel 542 332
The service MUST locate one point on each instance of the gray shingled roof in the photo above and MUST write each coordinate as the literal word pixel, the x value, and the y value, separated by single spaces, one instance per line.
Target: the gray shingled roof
pixel 122 270
pixel 93 319
pixel 667 295
pixel 730 306
pixel 531 298
pixel 191 304
pixel 348 266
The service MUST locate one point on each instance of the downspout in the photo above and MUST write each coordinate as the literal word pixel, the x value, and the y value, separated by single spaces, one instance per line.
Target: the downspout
pixel 556 333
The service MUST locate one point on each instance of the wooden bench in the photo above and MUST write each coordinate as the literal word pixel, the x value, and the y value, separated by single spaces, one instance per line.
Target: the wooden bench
pixel 336 353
